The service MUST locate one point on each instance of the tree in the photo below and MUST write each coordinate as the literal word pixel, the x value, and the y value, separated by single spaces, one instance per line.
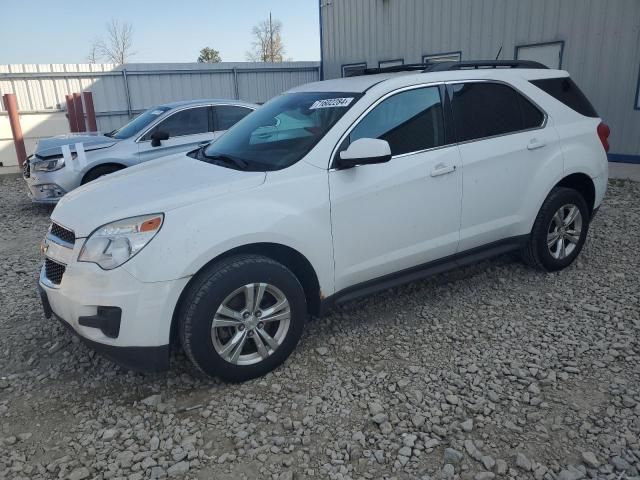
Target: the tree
pixel 209 55
pixel 94 53
pixel 267 42
pixel 117 48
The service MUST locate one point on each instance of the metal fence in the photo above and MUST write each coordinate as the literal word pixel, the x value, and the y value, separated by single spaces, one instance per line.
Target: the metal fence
pixel 119 92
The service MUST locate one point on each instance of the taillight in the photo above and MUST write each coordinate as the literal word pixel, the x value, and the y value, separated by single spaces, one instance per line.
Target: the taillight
pixel 603 132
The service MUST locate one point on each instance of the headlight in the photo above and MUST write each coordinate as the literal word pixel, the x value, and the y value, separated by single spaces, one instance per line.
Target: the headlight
pixel 114 243
pixel 48 165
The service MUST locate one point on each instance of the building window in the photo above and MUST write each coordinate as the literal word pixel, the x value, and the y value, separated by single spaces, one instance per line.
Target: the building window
pixel 390 63
pixel 442 57
pixel 547 53
pixel 353 69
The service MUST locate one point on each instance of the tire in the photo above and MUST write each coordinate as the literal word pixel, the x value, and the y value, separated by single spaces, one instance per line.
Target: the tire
pixel 100 171
pixel 554 244
pixel 226 284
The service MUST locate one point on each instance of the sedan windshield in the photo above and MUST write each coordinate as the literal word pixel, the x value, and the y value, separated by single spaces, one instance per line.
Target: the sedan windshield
pixel 138 123
pixel 282 131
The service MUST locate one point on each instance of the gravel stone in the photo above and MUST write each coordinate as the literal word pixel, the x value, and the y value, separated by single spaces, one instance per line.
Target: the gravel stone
pixel 452 456
pixel 179 468
pixel 590 460
pixel 523 462
pixel 502 360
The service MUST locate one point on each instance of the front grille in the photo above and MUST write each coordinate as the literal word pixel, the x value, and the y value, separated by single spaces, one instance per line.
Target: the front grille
pixel 53 271
pixel 62 233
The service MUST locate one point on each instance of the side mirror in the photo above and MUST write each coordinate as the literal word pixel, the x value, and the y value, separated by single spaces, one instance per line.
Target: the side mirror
pixel 365 151
pixel 157 137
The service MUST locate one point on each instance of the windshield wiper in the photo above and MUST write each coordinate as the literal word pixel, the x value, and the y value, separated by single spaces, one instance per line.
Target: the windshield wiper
pixel 239 163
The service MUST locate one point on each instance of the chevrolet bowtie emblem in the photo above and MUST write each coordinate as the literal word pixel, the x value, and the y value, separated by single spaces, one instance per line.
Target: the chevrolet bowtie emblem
pixel 44 246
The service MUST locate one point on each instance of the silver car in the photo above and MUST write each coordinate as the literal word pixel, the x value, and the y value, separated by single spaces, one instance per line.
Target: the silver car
pixel 65 162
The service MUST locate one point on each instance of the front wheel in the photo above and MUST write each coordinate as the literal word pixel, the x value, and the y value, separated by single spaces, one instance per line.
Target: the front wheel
pixel 242 317
pixel 559 231
pixel 99 171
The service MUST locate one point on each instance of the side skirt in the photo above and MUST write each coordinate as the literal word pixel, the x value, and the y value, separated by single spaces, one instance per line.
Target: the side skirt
pixel 429 269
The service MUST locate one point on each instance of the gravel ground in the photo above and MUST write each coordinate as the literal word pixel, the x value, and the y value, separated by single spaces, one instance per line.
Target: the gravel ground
pixel 491 371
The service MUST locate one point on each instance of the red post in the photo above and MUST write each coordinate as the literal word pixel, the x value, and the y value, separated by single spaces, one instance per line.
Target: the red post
pixel 77 102
pixel 71 113
pixel 11 105
pixel 87 98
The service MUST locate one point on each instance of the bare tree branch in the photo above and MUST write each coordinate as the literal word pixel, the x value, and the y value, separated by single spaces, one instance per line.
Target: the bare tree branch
pixel 117 47
pixel 267 45
pixel 95 52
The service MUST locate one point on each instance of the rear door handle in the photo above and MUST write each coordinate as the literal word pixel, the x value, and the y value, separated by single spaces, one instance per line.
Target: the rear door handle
pixel 535 143
pixel 442 169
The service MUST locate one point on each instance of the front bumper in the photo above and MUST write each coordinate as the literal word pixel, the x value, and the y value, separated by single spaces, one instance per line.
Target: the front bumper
pixel 48 187
pixel 141 359
pixel 126 320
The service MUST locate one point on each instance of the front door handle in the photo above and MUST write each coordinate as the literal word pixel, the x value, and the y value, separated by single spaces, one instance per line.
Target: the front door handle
pixel 442 169
pixel 535 143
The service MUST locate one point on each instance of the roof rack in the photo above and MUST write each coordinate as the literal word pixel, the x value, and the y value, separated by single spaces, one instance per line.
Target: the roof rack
pixel 450 66
pixel 407 67
pixel 477 64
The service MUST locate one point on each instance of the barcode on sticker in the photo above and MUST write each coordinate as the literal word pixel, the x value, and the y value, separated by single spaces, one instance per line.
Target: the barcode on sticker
pixel 331 103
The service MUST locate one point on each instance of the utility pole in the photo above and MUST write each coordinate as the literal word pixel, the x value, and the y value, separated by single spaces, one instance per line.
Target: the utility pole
pixel 271 38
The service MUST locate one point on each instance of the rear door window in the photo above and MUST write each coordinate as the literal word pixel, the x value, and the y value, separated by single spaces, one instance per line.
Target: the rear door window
pixel 228 115
pixel 190 121
pixel 566 91
pixel 485 109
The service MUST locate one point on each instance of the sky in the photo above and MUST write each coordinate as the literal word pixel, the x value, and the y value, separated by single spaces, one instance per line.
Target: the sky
pixel 43 31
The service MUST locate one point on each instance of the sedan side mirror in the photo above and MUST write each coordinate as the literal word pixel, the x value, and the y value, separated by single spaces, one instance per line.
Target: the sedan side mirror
pixel 365 151
pixel 157 137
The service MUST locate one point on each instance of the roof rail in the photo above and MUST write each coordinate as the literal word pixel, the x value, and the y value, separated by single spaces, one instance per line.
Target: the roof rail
pixel 449 66
pixel 477 64
pixel 407 67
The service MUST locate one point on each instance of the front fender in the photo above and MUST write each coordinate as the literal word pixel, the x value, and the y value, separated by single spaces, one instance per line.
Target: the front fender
pixel 296 215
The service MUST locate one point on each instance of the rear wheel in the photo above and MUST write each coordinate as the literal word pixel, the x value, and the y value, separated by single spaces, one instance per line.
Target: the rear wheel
pixel 242 317
pixel 100 171
pixel 559 231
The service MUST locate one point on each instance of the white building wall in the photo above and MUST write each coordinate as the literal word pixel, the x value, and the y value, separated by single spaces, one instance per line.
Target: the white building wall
pixel 601 40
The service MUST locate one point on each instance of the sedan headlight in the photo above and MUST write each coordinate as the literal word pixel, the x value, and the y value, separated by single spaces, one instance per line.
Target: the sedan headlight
pixel 115 243
pixel 48 165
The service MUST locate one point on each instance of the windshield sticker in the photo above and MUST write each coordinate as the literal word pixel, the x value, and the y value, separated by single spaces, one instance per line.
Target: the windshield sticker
pixel 157 112
pixel 331 103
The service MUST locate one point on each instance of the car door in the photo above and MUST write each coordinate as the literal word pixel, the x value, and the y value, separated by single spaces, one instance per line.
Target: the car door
pixel 187 128
pixel 504 143
pixel 406 212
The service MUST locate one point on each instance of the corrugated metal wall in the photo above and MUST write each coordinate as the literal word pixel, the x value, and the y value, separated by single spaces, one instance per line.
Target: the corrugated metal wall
pixel 120 92
pixel 601 42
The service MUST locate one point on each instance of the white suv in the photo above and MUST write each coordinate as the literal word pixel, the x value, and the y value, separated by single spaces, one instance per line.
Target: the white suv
pixel 330 191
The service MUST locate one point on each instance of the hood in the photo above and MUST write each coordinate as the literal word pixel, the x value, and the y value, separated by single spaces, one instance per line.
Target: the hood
pixel 156 186
pixel 48 147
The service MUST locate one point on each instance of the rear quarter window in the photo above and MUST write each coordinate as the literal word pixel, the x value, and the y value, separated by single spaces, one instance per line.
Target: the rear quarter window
pixel 566 91
pixel 486 109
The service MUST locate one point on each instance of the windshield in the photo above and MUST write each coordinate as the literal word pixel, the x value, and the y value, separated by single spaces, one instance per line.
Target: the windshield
pixel 283 130
pixel 138 123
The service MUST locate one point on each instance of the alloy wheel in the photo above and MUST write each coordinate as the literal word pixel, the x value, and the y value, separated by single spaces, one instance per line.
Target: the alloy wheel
pixel 564 231
pixel 251 323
